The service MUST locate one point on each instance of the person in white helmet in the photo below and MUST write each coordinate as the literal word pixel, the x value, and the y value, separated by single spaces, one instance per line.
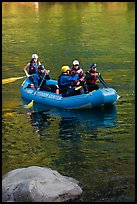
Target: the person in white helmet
pixel 33 66
pixel 77 69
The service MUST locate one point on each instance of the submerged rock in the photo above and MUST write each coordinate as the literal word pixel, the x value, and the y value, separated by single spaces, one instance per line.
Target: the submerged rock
pixel 38 184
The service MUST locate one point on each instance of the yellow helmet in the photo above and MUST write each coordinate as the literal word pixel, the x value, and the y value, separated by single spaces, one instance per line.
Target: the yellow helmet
pixel 65 68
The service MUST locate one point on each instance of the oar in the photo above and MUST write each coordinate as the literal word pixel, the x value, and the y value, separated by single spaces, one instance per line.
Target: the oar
pixel 102 81
pixel 12 79
pixel 31 103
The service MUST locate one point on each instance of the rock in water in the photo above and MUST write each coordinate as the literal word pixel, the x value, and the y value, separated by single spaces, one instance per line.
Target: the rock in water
pixel 38 184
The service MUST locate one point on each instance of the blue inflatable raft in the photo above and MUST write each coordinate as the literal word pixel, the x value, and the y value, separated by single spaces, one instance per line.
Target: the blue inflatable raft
pixel 100 97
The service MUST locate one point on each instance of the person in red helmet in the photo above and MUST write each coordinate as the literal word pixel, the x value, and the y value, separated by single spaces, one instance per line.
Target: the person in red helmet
pixel 91 77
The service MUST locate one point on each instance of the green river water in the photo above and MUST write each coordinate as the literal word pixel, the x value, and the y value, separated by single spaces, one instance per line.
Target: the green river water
pixel 96 147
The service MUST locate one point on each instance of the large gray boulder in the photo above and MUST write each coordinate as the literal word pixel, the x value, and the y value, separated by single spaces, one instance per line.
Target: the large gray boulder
pixel 38 184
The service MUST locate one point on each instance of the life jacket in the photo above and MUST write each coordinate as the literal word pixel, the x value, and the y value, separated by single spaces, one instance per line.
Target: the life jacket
pixel 33 67
pixel 90 78
pixel 80 72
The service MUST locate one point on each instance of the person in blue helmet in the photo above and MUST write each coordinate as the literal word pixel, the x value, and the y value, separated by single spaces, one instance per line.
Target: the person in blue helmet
pixel 68 83
pixel 91 77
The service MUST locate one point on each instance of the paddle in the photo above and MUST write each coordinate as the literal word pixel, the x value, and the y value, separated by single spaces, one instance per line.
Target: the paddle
pixel 104 83
pixel 102 80
pixel 31 103
pixel 77 88
pixel 12 79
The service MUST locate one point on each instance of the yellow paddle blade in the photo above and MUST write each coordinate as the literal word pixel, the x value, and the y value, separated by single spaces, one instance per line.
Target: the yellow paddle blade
pixel 9 80
pixel 77 88
pixel 29 105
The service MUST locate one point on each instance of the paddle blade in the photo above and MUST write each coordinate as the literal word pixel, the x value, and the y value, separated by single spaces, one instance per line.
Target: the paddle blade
pixel 9 80
pixel 77 88
pixel 29 105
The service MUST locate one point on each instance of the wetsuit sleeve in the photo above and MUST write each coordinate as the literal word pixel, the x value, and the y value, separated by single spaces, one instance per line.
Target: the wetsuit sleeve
pixel 72 78
pixel 68 79
pixel 48 76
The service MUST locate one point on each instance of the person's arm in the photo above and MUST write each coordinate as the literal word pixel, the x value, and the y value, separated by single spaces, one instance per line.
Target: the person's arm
pixel 73 78
pixel 26 70
pixel 47 74
pixel 69 79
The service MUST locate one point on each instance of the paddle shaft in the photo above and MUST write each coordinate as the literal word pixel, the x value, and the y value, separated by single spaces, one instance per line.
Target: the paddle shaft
pixel 42 80
pixel 40 84
pixel 102 81
pixel 13 79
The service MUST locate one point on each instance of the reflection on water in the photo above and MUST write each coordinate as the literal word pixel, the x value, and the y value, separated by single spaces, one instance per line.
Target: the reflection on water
pixel 73 125
pixel 30 5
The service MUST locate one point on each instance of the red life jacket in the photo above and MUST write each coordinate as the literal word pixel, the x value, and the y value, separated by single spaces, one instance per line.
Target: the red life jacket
pixel 80 72
pixel 91 77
